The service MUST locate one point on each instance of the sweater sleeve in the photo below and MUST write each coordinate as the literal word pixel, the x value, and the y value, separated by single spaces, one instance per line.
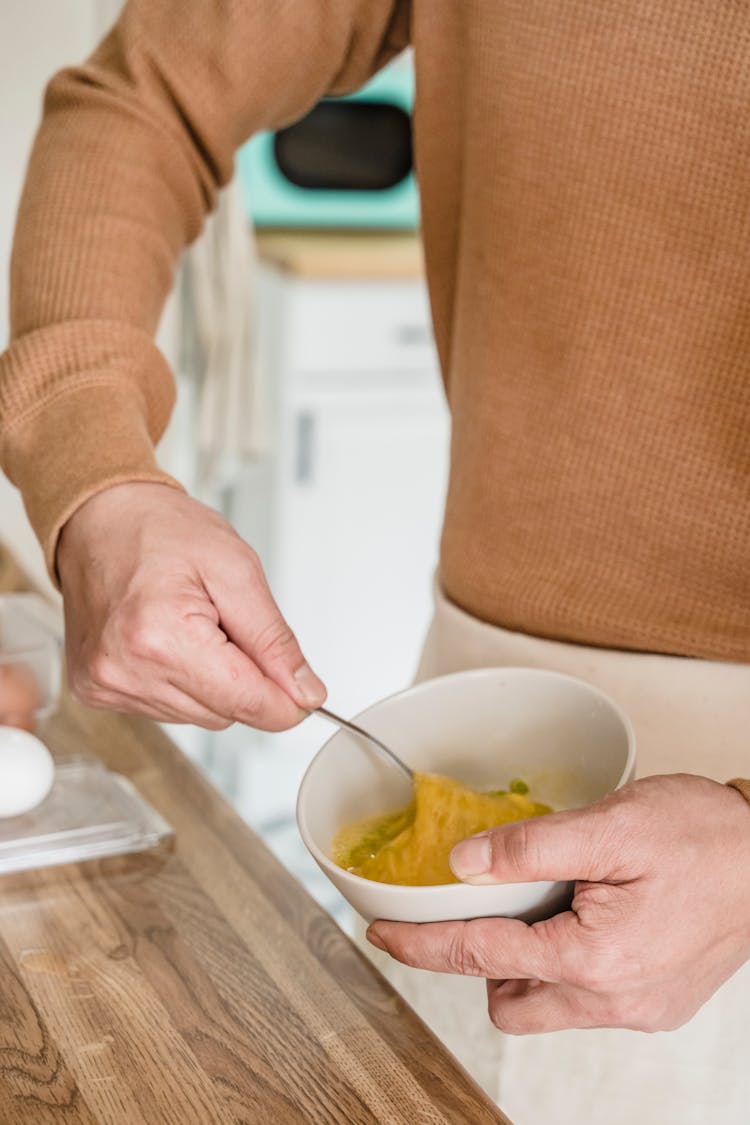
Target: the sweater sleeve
pixel 742 786
pixel 133 147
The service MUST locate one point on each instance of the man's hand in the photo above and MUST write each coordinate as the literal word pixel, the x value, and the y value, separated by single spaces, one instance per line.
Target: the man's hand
pixel 660 915
pixel 167 613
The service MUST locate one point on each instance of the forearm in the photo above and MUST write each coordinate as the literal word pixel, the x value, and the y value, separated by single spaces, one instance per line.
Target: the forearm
pixel 132 150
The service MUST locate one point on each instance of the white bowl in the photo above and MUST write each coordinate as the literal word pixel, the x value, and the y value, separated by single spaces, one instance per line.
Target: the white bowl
pixel 567 739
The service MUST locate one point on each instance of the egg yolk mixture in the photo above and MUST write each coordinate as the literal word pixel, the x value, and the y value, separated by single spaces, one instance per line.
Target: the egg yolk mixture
pixel 411 846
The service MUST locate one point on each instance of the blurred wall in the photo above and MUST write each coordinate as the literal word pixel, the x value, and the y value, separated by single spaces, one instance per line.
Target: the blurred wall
pixel 37 37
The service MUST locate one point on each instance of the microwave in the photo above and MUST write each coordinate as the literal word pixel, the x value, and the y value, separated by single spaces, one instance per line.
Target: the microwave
pixel 347 163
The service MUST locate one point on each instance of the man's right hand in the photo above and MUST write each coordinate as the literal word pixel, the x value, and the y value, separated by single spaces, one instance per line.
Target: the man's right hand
pixel 168 614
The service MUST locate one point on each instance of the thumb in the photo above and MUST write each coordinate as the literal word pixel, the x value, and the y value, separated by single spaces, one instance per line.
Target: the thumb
pixel 577 844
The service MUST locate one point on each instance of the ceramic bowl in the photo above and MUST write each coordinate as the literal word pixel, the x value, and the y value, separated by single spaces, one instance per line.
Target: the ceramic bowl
pixel 565 738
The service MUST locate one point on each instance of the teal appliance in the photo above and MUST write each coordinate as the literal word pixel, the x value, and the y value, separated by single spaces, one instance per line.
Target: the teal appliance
pixel 347 164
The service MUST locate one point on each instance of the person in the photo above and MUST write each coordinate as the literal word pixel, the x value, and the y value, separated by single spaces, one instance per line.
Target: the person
pixel 584 193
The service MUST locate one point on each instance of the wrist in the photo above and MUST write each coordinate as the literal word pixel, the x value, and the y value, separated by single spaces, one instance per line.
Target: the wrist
pixel 96 513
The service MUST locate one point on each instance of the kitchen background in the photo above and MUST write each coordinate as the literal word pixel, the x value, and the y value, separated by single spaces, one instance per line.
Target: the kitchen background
pixel 310 410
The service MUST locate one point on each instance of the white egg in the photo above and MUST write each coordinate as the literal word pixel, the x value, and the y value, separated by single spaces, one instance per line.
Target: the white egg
pixel 27 771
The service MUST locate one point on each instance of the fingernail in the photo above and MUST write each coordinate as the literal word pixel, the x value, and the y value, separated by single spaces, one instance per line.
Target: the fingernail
pixel 311 688
pixel 374 939
pixel 471 857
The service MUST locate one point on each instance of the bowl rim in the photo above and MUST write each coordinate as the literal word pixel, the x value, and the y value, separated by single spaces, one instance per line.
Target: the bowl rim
pixel 349 877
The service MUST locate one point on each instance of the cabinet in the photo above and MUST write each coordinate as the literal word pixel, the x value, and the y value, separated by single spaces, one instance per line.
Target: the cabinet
pixel 346 512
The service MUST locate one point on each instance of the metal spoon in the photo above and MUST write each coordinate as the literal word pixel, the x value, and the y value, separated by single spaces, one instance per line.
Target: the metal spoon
pixel 379 746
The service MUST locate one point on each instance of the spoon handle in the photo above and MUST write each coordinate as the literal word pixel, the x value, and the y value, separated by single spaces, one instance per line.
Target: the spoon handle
pixel 394 758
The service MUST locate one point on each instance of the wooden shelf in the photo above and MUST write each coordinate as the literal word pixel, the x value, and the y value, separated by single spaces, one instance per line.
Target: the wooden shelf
pixel 341 254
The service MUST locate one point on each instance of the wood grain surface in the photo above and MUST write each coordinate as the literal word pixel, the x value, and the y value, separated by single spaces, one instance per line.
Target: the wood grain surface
pixel 198 984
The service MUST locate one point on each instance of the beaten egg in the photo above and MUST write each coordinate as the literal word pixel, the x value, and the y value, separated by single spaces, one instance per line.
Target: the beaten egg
pixel 411 846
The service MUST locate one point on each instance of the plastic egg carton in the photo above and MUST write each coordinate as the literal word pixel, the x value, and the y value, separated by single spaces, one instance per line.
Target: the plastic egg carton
pixel 30 657
pixel 90 813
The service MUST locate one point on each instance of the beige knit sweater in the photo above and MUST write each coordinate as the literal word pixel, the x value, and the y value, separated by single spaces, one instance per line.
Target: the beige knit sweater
pixel 586 212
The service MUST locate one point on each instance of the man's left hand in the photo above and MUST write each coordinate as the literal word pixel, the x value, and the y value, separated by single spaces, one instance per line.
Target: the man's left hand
pixel 660 916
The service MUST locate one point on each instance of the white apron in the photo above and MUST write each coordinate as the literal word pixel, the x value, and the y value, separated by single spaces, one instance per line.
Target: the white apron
pixel 689 716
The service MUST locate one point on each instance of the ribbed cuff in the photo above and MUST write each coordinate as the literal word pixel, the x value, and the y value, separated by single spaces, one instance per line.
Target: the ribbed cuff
pixel 81 407
pixel 742 786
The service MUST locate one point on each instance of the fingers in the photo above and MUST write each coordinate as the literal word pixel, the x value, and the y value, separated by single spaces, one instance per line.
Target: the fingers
pixel 579 844
pixel 185 709
pixel 540 978
pixel 215 679
pixel 483 947
pixel 531 1007
pixel 251 619
pixel 168 705
pixel 176 665
pixel 230 685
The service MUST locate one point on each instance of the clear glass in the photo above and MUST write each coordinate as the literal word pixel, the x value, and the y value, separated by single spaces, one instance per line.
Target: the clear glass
pixel 30 644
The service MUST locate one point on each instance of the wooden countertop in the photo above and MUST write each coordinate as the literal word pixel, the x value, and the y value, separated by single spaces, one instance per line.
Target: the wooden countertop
pixel 200 985
pixel 328 255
